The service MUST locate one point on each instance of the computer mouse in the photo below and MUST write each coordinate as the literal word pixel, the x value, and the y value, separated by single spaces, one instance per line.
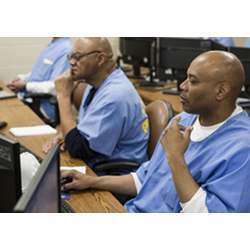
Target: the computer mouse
pixel 66 180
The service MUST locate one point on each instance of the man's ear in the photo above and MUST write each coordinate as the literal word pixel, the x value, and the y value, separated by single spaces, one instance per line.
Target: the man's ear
pixel 222 90
pixel 101 59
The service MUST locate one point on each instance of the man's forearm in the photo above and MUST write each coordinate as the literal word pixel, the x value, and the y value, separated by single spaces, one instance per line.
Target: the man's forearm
pixel 116 184
pixel 66 115
pixel 185 185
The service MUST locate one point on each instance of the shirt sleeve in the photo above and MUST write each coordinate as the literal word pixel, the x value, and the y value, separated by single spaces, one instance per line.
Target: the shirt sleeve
pixel 197 204
pixel 142 171
pixel 137 182
pixel 46 87
pixel 78 146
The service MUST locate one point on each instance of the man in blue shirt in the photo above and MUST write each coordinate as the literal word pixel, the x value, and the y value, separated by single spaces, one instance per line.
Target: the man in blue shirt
pixel 201 163
pixel 226 41
pixel 112 123
pixel 51 63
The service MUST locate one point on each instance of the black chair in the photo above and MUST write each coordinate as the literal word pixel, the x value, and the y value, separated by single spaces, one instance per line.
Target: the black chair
pixel 33 100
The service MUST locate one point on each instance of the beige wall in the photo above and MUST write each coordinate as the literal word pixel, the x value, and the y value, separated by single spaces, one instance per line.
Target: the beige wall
pixel 17 55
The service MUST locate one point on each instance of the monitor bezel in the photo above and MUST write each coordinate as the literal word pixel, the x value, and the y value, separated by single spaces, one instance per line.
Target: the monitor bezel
pixel 15 167
pixel 23 202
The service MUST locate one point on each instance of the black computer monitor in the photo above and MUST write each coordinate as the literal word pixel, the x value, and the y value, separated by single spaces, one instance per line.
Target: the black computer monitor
pixel 244 55
pixel 43 192
pixel 10 174
pixel 139 52
pixel 176 54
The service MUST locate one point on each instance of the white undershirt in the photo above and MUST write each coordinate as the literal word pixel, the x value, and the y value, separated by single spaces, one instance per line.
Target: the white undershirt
pixel 197 204
pixel 44 87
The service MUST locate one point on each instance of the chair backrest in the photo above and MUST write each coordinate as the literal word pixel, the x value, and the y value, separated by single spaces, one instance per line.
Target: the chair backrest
pixel 159 113
pixel 33 100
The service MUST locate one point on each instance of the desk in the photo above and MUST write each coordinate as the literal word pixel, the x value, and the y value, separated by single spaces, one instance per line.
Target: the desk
pixel 16 113
pixel 150 94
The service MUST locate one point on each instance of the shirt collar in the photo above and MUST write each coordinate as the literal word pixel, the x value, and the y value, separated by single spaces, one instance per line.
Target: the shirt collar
pixel 200 132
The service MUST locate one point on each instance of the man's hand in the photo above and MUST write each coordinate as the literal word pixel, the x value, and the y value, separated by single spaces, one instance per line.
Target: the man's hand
pixel 176 139
pixel 64 84
pixel 175 142
pixel 16 85
pixel 79 181
pixel 58 139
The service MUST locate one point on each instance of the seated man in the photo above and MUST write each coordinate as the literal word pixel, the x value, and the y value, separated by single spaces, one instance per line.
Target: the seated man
pixel 226 41
pixel 51 63
pixel 112 124
pixel 201 163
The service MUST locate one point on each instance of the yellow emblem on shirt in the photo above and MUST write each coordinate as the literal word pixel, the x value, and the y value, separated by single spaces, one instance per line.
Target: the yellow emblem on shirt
pixel 145 126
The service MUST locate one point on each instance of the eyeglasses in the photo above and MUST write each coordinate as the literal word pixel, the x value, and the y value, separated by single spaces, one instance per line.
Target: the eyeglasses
pixel 78 56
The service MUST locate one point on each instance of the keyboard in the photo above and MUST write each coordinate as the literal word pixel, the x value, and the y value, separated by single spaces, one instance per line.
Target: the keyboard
pixel 66 208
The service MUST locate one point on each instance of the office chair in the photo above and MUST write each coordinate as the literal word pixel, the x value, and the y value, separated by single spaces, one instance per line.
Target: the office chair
pixel 159 113
pixel 33 101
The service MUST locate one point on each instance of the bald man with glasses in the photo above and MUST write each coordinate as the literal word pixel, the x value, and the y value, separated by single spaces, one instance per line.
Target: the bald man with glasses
pixel 112 124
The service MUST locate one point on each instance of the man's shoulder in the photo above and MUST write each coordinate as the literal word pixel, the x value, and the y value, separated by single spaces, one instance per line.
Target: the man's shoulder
pixel 240 124
pixel 120 88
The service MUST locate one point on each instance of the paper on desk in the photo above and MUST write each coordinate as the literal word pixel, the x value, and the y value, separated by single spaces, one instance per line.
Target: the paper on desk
pixel 34 130
pixel 81 169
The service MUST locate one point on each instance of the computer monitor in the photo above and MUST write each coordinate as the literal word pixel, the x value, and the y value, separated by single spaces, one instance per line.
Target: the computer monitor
pixel 244 55
pixel 10 174
pixel 139 52
pixel 176 54
pixel 43 192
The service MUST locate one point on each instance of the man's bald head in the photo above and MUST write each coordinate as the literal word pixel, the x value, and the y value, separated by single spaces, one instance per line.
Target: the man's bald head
pixel 221 66
pixel 214 81
pixel 96 43
pixel 92 60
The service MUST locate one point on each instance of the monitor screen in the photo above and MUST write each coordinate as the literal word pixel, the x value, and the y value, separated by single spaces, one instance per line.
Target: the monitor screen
pixel 176 54
pixel 10 174
pixel 138 51
pixel 43 192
